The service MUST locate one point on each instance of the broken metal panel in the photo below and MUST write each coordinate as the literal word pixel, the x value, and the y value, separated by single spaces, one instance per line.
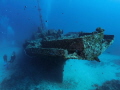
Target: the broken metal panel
pixel 107 41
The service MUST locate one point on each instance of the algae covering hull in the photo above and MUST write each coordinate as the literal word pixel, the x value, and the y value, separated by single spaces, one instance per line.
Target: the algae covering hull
pixel 74 45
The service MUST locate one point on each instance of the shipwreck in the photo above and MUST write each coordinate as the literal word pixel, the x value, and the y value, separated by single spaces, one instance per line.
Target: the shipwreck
pixel 73 45
pixel 53 47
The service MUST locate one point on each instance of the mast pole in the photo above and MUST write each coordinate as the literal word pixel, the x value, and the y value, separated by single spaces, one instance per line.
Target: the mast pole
pixel 42 25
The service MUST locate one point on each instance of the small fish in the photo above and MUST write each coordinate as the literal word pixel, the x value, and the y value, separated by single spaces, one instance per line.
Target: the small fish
pixel 25 7
pixel 46 21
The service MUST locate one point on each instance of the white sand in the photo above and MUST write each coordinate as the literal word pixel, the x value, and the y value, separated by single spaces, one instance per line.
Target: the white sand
pixel 85 76
pixel 78 74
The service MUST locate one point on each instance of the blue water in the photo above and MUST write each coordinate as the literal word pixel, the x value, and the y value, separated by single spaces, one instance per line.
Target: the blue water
pixel 19 19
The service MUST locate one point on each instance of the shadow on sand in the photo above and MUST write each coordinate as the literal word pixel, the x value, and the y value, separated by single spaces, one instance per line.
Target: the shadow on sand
pixel 32 71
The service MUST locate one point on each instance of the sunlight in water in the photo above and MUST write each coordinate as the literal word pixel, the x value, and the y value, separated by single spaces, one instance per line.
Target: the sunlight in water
pixel 24 62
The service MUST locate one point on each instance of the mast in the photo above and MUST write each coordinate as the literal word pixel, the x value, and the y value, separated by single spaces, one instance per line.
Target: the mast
pixel 42 25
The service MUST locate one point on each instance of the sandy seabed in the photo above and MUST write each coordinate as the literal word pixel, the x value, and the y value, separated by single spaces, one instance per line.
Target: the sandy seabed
pixel 77 75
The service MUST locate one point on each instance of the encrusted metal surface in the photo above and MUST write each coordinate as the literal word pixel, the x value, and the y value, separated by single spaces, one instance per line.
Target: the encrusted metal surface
pixel 74 45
